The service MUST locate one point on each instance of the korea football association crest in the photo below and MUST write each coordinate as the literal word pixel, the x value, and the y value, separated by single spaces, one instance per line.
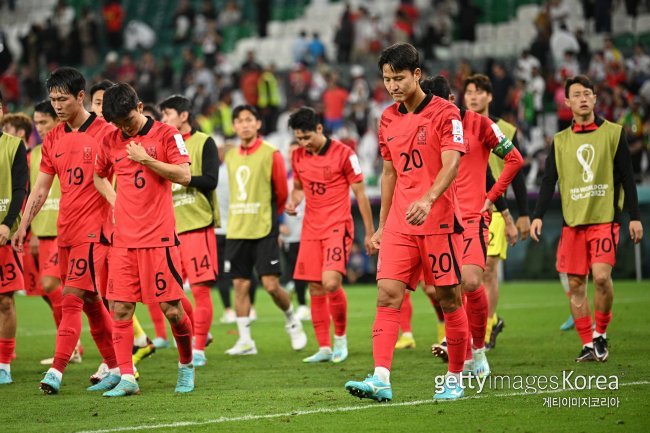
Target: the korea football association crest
pixel 151 151
pixel 88 155
pixel 422 135
pixel 585 155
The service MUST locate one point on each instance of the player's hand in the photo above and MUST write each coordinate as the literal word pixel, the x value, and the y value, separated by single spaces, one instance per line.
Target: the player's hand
pixel 368 242
pixel 512 234
pixel 33 245
pixel 4 234
pixel 417 212
pixel 487 206
pixel 523 225
pixel 291 209
pixel 136 152
pixel 636 231
pixel 375 239
pixel 536 229
pixel 18 239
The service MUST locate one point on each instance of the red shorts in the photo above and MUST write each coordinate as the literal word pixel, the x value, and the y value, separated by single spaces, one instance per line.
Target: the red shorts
pixel 147 275
pixel 11 270
pixel 199 255
pixel 83 266
pixel 582 246
pixel 31 275
pixel 48 258
pixel 407 258
pixel 319 255
pixel 475 241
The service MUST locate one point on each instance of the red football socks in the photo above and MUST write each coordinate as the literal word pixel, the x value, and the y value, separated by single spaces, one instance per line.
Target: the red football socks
pixel 384 336
pixel 339 310
pixel 477 310
pixel 158 320
pixel 602 321
pixel 406 313
pixel 101 329
pixel 183 335
pixel 7 348
pixel 583 326
pixel 123 344
pixel 320 319
pixel 56 299
pixel 68 332
pixel 456 332
pixel 189 310
pixel 203 315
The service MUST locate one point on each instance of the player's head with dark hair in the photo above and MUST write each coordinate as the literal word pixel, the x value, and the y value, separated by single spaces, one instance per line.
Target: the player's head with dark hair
pixel 97 96
pixel 176 111
pixel 247 122
pixel 478 93
pixel 100 86
pixel 122 108
pixel 67 89
pixel 400 68
pixel 399 57
pixel 580 97
pixel 438 86
pixel 151 111
pixel 44 118
pixel 307 129
pixel 17 124
pixel 582 80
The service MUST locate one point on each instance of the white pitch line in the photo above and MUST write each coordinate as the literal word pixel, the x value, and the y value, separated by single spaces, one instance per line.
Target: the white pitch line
pixel 222 419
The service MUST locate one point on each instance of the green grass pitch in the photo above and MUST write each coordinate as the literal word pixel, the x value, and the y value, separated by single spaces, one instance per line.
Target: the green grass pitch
pixel 275 391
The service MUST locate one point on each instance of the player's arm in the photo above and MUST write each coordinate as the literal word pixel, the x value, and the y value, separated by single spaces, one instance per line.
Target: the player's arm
pixel 501 203
pixel 35 201
pixel 359 191
pixel 505 150
pixel 105 188
pixel 177 173
pixel 19 179
pixel 209 177
pixel 417 212
pixel 388 181
pixel 623 168
pixel 279 181
pixel 545 194
pixel 295 198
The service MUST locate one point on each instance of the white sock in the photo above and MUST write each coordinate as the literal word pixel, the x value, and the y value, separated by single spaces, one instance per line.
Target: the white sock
pixel 185 365
pixel 244 327
pixel 383 374
pixel 598 334
pixel 114 371
pixel 288 314
pixel 140 341
pixel 5 367
pixel 407 334
pixel 200 352
pixel 457 378
pixel 340 337
pixel 326 349
pixel 129 377
pixel 589 345
pixel 56 373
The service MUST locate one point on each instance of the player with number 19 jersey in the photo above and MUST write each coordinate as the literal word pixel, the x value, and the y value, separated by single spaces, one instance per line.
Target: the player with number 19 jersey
pixel 414 142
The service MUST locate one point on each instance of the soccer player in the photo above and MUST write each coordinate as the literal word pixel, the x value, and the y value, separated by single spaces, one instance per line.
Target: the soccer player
pixel 69 152
pixel 258 192
pixel 483 138
pixel 196 212
pixel 591 161
pixel 324 171
pixel 97 96
pixel 421 142
pixel 147 157
pixel 13 187
pixel 502 229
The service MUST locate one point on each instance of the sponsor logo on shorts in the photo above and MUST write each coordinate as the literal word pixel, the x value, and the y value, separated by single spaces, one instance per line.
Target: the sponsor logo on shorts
pixel 275 262
pixel 226 266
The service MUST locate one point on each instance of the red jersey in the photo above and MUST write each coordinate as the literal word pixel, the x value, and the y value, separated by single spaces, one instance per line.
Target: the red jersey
pixel 144 210
pixel 326 179
pixel 414 142
pixel 482 135
pixel 70 155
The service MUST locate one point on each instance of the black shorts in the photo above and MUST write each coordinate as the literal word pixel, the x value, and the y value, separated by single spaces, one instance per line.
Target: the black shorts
pixel 243 254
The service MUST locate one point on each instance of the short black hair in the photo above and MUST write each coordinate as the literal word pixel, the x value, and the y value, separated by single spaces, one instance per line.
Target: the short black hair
pixel 400 57
pixel 438 86
pixel 45 107
pixel 482 82
pixel 67 80
pixel 178 103
pixel 578 79
pixel 153 110
pixel 246 107
pixel 102 85
pixel 119 100
pixel 304 119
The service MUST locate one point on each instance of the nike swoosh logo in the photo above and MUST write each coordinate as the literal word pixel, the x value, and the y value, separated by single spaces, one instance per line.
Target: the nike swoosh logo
pixel 273 262
pixel 438 276
pixel 56 155
pixel 391 138
pixel 6 284
pixel 160 293
pixel 119 159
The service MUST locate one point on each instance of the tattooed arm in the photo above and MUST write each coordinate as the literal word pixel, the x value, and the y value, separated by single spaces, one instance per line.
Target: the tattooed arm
pixel 37 197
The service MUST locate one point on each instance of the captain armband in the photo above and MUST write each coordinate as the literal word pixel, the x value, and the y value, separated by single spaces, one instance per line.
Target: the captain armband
pixel 504 147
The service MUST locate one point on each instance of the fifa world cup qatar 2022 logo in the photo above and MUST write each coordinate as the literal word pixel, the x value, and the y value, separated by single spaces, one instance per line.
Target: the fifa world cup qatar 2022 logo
pixel 242 176
pixel 586 154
